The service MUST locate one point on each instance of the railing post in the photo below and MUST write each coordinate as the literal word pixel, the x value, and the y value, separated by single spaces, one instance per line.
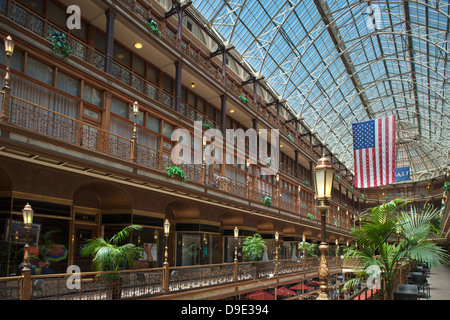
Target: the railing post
pixel 26 284
pixel 235 270
pixel 166 276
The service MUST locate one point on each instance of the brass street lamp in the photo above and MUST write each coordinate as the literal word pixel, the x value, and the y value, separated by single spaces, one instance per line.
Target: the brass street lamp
pixel 324 174
pixel 134 139
pixel 277 236
pixel 166 233
pixel 27 212
pixel 9 49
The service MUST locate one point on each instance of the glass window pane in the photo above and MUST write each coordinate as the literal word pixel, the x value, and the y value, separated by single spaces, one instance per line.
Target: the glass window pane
pixel 167 130
pixel 92 95
pixel 139 67
pixel 119 107
pixel 152 74
pixel 168 84
pixel 40 71
pixel 153 123
pixel 122 55
pixel 56 15
pixel 68 84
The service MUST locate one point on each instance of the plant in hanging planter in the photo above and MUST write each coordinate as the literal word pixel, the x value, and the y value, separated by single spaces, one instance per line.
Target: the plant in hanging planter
pixel 152 26
pixel 310 216
pixel 336 224
pixel 60 44
pixel 290 137
pixel 206 125
pixel 306 182
pixel 243 99
pixel 175 171
pixel 267 201
pixel 269 162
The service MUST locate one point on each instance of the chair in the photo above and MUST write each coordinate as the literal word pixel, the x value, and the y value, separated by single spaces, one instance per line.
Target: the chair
pixel 422 285
pixel 425 269
pixel 410 276
pixel 404 296
pixel 407 288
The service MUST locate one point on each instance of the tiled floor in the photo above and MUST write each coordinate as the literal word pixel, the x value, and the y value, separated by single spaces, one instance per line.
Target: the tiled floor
pixel 439 281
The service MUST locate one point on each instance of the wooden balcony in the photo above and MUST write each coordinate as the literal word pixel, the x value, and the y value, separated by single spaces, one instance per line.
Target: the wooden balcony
pixel 161 283
pixel 42 123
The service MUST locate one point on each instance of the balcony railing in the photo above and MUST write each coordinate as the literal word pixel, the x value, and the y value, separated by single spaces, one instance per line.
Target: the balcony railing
pixel 46 122
pixel 140 283
pixel 80 50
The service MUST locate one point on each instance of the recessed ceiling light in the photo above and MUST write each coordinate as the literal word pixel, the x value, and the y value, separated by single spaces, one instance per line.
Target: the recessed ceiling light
pixel 138 45
pixel 232 111
pixel 192 85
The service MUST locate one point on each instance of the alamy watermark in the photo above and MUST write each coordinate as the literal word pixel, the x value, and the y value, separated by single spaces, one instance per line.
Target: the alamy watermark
pixel 211 147
pixel 74 20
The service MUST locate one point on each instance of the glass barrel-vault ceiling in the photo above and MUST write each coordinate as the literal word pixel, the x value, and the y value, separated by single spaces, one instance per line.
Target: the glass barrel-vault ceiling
pixel 341 62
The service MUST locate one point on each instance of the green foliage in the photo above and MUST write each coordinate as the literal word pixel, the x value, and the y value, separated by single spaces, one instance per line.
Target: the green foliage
pixel 387 234
pixel 206 125
pixel 253 247
pixel 267 201
pixel 175 171
pixel 446 187
pixel 310 248
pixel 153 26
pixel 60 44
pixel 112 255
pixel 243 99
pixel 291 138
pixel 310 216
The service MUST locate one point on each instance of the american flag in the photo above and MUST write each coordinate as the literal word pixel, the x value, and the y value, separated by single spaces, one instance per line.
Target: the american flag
pixel 374 152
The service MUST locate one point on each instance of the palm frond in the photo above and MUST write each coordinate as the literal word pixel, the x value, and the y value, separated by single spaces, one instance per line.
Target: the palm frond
pixel 124 234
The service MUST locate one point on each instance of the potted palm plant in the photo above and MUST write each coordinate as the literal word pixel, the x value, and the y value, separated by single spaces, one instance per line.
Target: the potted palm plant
pixel 112 255
pixel 414 231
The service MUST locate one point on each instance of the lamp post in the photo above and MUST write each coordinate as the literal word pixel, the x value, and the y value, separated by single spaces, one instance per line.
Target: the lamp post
pixel 9 49
pixel 277 236
pixel 235 269
pixel 166 234
pixel 166 257
pixel 27 212
pixel 324 174
pixel 134 139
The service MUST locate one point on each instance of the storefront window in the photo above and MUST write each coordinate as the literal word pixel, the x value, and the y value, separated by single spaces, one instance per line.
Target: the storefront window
pixel 229 244
pixel 48 239
pixel 197 248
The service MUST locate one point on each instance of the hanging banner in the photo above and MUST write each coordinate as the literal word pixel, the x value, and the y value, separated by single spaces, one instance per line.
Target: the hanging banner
pixel 402 174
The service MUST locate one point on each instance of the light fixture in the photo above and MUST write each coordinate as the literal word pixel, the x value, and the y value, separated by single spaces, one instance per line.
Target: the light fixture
pixel 232 111
pixel 193 85
pixel 324 173
pixel 27 216
pixel 135 108
pixel 9 46
pixel 166 227
pixel 277 236
pixel 138 45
